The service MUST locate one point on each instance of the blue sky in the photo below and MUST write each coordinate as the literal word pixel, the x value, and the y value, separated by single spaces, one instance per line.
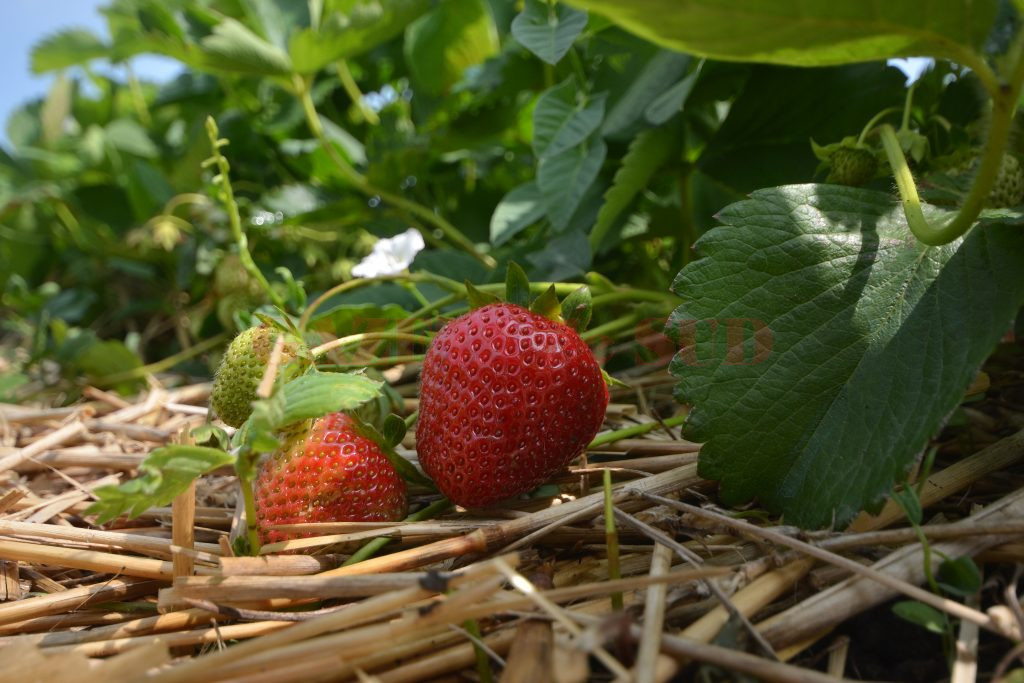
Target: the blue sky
pixel 25 22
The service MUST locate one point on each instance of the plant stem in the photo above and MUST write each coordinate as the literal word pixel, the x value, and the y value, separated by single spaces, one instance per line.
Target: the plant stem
pixel 373 362
pixel 234 218
pixel 370 548
pixel 611 327
pixel 363 281
pixel 611 539
pixel 1004 104
pixel 349 84
pixel 870 126
pixel 907 106
pixel 164 364
pixel 360 182
pixel 354 339
pixel 411 420
pixel 635 430
pixel 483 663
pixel 251 529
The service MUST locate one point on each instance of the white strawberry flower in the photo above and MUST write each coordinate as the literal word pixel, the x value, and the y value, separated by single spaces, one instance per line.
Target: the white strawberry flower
pixel 391 255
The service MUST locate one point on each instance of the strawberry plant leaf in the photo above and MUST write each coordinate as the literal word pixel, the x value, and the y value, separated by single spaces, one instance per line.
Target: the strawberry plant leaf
pixel 576 309
pixel 810 33
pixel 562 120
pixel 70 47
pixel 518 209
pixel 517 285
pixel 647 153
pixel 547 304
pixel 317 394
pixel 350 28
pixel 234 47
pixel 821 345
pixel 165 473
pixel 548 31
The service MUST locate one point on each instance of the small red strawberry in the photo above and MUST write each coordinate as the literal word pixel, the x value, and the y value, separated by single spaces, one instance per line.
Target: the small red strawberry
pixel 328 473
pixel 508 398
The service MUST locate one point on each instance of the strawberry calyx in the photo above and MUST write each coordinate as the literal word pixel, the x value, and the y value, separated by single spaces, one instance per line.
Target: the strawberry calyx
pixel 574 310
pixel 848 162
pixel 387 438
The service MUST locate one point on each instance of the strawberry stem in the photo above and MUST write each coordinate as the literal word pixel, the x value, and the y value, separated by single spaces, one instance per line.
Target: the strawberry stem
pixel 611 539
pixel 483 664
pixel 1004 104
pixel 223 178
pixel 635 430
pixel 356 339
pixel 251 525
pixel 372 547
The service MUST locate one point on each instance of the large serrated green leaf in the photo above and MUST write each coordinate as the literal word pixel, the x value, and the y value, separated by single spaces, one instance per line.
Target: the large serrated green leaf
pixel 165 473
pixel 548 31
pixel 822 345
pixel 70 47
pixel 807 33
pixel 561 120
pixel 647 153
pixel 234 47
pixel 318 394
pixel 349 28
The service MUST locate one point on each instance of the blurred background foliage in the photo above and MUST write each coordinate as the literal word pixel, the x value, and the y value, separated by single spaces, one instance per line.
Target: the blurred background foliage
pixel 527 132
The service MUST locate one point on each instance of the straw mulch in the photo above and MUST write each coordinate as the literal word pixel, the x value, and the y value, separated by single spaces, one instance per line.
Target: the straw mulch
pixel 525 591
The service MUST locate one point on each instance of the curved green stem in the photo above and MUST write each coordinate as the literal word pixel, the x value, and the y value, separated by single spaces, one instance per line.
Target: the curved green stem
pixel 234 218
pixel 352 89
pixel 372 547
pixel 164 364
pixel 446 283
pixel 635 430
pixel 870 126
pixel 1004 104
pixel 360 182
pixel 637 295
pixel 355 339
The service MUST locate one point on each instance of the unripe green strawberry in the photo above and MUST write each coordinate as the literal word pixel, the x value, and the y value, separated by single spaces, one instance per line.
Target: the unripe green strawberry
pixel 1008 188
pixel 853 166
pixel 331 472
pixel 241 369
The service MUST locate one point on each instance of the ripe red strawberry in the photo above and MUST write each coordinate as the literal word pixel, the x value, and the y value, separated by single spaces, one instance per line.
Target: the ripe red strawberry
pixel 328 473
pixel 508 398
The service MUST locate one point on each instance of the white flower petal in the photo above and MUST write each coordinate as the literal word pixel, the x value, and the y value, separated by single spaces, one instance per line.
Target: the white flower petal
pixel 391 255
pixel 912 67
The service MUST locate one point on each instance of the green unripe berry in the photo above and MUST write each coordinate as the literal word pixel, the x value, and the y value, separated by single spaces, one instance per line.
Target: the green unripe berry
pixel 1008 188
pixel 241 370
pixel 852 166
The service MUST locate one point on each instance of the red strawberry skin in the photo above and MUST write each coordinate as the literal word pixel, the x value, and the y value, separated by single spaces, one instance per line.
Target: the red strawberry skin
pixel 508 399
pixel 331 473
